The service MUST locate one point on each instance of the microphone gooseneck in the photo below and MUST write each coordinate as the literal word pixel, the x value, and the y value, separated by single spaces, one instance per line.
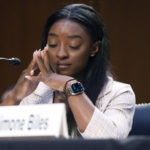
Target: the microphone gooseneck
pixel 14 61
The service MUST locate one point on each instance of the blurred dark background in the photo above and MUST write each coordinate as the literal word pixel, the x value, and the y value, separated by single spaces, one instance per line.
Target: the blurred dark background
pixel 128 24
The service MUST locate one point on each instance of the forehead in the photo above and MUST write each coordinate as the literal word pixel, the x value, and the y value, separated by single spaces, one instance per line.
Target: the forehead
pixel 69 27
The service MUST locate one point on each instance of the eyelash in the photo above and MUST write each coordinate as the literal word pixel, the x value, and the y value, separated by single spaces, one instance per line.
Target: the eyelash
pixel 72 47
pixel 52 45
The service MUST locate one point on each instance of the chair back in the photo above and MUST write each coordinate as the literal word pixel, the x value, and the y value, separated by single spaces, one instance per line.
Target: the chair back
pixel 141 120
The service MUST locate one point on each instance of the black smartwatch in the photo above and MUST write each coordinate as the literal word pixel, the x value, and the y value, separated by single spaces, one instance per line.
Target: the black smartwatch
pixel 74 89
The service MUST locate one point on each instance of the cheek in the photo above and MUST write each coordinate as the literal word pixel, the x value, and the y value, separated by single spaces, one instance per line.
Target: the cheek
pixel 51 57
pixel 81 61
pixel 52 61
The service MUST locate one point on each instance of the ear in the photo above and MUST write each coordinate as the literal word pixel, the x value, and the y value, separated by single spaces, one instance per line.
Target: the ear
pixel 94 49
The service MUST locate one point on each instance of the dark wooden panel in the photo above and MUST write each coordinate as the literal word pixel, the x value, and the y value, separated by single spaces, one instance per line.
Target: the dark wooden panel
pixel 127 22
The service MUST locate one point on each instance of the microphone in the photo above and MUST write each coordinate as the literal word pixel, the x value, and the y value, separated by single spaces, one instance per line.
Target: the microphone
pixel 13 61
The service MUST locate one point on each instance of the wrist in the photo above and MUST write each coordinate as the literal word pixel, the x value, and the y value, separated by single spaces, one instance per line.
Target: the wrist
pixel 73 87
pixel 68 84
pixel 13 97
pixel 10 99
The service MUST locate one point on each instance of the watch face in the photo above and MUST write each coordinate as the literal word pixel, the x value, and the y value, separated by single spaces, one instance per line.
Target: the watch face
pixel 77 87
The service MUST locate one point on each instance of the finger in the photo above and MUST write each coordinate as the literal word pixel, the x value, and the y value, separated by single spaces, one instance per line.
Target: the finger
pixel 42 54
pixel 40 63
pixel 46 59
pixel 34 78
pixel 32 67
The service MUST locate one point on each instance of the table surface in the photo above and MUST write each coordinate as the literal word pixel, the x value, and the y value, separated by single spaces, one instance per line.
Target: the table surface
pixel 130 143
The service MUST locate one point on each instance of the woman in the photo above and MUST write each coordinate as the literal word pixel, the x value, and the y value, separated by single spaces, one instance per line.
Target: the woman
pixel 74 69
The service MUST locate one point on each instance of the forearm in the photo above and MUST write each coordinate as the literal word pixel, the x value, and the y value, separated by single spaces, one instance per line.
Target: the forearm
pixel 82 109
pixel 10 99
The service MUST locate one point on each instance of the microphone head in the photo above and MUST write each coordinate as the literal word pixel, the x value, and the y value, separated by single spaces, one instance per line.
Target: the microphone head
pixel 14 61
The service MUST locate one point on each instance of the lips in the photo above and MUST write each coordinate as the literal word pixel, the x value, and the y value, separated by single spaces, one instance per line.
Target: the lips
pixel 63 65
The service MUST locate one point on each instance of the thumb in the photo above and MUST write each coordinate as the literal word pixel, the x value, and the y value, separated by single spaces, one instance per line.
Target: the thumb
pixel 34 78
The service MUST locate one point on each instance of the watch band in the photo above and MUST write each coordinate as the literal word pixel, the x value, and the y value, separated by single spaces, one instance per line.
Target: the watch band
pixel 74 89
pixel 67 83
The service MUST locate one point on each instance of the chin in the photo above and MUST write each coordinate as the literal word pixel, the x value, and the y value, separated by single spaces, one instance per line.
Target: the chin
pixel 65 73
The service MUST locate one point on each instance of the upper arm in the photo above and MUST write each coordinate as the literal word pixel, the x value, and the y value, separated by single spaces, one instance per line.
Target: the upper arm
pixel 113 117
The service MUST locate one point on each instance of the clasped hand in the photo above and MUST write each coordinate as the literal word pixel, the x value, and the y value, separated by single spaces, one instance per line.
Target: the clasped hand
pixel 46 75
pixel 28 81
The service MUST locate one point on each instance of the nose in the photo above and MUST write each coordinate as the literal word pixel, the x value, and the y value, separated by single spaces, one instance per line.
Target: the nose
pixel 62 53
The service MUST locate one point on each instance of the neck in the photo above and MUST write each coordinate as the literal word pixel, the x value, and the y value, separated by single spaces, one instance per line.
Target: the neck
pixel 79 76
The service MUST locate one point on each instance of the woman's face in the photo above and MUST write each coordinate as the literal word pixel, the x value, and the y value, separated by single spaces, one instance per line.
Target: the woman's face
pixel 69 47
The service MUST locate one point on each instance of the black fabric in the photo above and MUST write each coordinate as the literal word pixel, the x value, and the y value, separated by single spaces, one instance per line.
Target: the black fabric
pixel 141 120
pixel 131 143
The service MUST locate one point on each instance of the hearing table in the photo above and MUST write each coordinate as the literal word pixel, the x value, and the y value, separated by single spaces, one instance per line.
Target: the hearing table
pixel 130 143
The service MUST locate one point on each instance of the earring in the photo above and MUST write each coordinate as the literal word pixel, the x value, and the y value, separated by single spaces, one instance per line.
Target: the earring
pixel 92 55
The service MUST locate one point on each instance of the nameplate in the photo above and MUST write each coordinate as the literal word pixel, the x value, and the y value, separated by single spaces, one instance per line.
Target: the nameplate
pixel 46 120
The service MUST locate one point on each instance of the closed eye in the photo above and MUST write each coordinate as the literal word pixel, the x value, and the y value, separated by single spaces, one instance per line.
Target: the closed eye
pixel 74 47
pixel 52 45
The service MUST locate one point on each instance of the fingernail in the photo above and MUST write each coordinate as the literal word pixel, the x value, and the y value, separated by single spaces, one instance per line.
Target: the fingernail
pixel 27 77
pixel 46 47
pixel 32 72
pixel 36 51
